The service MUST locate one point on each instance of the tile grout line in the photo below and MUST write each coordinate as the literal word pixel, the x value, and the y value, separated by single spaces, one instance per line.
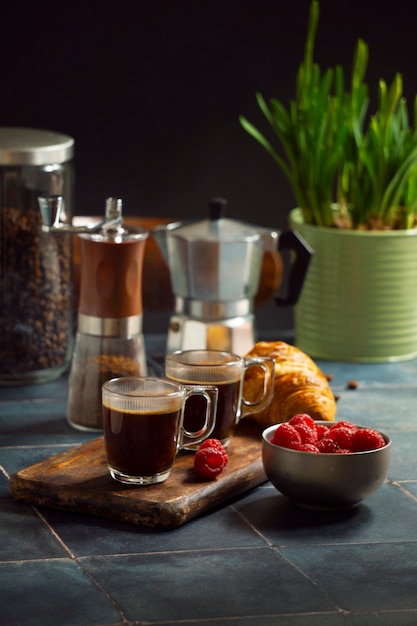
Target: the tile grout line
pixel 400 486
pixel 81 566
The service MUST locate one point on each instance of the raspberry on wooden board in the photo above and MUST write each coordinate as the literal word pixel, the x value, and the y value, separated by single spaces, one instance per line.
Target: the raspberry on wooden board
pixel 210 459
pixel 212 443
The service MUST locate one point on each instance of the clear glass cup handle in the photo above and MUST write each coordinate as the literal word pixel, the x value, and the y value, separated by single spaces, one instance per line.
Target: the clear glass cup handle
pixel 210 393
pixel 267 364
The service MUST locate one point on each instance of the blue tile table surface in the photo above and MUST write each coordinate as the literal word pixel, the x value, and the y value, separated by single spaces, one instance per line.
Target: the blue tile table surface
pixel 255 560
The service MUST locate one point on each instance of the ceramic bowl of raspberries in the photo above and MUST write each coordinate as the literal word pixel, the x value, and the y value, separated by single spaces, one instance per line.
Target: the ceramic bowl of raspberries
pixel 328 466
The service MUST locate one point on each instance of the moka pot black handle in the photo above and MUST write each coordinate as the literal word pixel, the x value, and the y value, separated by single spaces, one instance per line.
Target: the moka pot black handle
pixel 298 265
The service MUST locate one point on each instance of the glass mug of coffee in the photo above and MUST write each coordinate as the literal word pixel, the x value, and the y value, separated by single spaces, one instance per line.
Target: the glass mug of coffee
pixel 225 371
pixel 143 426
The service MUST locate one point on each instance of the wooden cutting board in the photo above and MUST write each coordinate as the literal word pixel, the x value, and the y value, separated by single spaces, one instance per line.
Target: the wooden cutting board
pixel 78 480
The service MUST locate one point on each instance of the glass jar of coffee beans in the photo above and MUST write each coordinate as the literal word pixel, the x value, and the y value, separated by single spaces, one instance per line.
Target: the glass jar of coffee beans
pixel 36 315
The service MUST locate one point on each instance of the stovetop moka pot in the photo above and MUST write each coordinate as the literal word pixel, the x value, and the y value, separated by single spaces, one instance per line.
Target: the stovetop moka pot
pixel 215 266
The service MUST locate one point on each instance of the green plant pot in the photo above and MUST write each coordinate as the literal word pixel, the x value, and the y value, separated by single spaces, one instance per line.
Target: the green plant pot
pixel 359 299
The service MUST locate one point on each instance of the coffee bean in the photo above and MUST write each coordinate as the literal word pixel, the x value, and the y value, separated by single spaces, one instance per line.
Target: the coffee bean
pixel 36 325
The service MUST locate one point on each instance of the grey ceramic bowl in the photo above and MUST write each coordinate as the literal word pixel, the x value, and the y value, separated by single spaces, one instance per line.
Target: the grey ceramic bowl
pixel 330 482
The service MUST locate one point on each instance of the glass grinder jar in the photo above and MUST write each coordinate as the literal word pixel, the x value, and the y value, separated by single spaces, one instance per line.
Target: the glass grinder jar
pixel 36 335
pixel 109 341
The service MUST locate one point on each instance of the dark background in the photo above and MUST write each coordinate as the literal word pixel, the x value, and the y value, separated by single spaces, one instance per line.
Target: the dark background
pixel 152 91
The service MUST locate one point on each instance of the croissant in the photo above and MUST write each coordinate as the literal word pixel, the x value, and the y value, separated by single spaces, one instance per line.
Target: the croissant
pixel 299 387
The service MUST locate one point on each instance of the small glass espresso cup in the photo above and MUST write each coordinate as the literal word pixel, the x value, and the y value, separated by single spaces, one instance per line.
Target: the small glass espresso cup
pixel 143 426
pixel 225 371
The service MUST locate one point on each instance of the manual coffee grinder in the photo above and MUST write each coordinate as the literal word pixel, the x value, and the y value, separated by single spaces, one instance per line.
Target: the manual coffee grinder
pixel 109 341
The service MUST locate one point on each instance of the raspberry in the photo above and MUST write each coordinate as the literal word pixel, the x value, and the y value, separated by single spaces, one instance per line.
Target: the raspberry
pixel 286 436
pixel 209 462
pixel 327 445
pixel 321 431
pixel 343 424
pixel 302 418
pixel 212 443
pixel 307 434
pixel 342 435
pixel 308 447
pixel 367 439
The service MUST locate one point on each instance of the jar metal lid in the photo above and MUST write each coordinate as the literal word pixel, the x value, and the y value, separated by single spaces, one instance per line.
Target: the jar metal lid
pixel 31 146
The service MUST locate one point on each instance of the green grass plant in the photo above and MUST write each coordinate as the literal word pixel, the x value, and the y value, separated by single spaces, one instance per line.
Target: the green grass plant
pixel 335 153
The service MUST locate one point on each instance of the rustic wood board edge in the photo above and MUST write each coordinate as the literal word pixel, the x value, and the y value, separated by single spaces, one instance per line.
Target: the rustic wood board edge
pixel 157 515
pixel 66 482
